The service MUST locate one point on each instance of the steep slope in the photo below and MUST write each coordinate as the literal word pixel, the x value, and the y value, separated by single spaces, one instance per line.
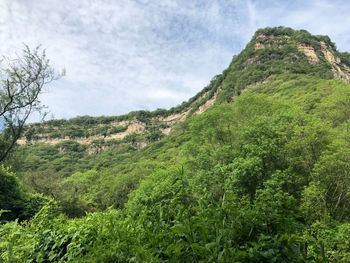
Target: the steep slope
pixel 262 179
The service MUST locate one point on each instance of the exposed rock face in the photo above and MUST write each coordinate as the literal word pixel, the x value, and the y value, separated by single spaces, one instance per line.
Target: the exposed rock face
pixel 166 131
pixel 178 117
pixel 135 127
pixel 269 41
pixel 309 52
pixel 258 46
pixel 340 70
pixel 209 103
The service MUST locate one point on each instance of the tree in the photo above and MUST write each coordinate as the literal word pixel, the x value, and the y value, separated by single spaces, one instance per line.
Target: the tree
pixel 21 82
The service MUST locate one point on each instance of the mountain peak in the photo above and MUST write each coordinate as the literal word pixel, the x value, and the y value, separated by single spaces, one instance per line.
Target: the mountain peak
pixel 300 44
pixel 282 50
pixel 286 34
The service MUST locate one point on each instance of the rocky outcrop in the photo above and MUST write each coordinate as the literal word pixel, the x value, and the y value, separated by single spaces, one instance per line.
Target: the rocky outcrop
pixel 340 70
pixel 209 103
pixel 325 53
pixel 309 52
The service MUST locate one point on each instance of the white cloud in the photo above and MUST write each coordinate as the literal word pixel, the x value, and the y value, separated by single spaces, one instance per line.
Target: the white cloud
pixel 130 54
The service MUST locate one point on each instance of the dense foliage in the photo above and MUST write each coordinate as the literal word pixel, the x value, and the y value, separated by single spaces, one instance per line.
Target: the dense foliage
pixel 262 179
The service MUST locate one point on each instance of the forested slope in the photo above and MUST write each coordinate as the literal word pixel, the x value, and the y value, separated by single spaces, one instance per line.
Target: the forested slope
pixel 261 176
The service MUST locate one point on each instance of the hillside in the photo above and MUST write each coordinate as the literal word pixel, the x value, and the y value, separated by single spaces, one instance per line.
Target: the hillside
pixel 270 52
pixel 254 168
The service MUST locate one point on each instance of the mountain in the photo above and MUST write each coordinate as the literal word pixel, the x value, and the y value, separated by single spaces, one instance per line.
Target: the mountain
pixel 254 168
pixel 272 51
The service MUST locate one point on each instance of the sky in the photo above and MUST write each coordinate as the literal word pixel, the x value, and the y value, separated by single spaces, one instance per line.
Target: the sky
pixel 126 55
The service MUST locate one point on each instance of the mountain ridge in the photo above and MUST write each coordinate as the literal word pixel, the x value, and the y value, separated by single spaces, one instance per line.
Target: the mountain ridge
pixel 285 49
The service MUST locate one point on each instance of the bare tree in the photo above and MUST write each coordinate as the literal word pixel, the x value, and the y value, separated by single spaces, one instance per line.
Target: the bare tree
pixel 21 82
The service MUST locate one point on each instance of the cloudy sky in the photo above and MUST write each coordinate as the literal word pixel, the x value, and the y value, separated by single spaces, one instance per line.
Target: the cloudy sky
pixel 123 55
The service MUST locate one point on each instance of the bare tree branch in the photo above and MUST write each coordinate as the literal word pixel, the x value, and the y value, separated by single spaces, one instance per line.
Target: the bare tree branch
pixel 22 83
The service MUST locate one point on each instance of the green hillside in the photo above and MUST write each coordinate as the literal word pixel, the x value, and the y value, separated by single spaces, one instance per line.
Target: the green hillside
pixel 260 174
